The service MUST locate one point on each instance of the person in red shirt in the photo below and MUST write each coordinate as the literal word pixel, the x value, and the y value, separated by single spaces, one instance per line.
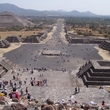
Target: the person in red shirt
pixel 103 103
pixel 14 94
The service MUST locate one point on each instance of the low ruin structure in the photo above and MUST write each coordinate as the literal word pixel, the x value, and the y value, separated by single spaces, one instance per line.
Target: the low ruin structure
pixel 105 45
pixel 4 44
pixel 95 73
pixel 31 39
pixel 35 38
pixel 13 39
pixel 72 38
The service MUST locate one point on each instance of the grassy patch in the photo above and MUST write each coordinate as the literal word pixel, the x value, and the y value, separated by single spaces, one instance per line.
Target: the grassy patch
pixel 22 33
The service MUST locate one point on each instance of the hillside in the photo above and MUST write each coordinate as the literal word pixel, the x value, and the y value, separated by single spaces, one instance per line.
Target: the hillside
pixel 29 12
pixel 10 19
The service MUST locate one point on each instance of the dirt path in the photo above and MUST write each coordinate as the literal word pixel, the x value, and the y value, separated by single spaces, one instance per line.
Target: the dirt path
pixel 63 35
pixel 49 36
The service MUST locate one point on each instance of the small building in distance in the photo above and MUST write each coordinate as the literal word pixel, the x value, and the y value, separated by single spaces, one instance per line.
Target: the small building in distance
pixel 4 43
pixel 13 39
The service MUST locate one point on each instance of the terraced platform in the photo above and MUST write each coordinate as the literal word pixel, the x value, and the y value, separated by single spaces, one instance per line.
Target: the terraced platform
pixel 14 39
pixel 95 73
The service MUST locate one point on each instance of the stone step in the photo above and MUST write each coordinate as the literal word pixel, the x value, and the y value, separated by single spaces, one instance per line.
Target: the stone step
pixel 100 73
pixel 5 65
pixel 86 82
pixel 2 73
pixel 100 69
pixel 9 63
pixel 96 78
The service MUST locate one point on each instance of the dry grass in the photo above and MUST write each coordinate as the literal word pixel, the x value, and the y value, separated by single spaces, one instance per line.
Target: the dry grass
pixel 17 33
pixel 84 30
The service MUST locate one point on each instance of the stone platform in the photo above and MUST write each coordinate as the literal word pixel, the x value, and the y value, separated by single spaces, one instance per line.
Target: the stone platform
pixel 52 52
pixel 95 72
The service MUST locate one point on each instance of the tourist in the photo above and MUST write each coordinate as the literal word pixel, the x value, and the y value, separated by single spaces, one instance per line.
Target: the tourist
pixel 32 71
pixel 75 92
pixel 3 85
pixel 26 90
pixel 15 84
pixel 32 82
pixel 11 83
pixel 103 103
pixel 20 84
pixel 17 74
pixel 38 83
pixel 70 102
pixel 14 94
pixel 25 81
pixel 62 101
pixel 28 96
pixel 5 92
pixel 21 91
pixel 78 89
pixel 101 87
pixel 14 77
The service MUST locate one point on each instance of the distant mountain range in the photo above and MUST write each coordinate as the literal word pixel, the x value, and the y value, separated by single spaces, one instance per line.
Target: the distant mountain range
pixel 29 12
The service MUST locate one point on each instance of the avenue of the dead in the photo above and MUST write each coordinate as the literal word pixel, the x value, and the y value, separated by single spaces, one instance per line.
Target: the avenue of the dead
pixel 73 55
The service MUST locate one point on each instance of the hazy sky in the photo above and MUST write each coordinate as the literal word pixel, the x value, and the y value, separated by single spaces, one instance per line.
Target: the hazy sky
pixel 96 6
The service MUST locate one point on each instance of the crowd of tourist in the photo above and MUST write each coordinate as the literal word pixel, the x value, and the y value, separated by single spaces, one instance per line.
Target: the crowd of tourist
pixel 60 105
pixel 16 83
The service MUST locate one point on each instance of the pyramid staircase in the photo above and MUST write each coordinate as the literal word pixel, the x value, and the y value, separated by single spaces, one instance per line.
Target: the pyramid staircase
pixel 95 73
pixel 5 66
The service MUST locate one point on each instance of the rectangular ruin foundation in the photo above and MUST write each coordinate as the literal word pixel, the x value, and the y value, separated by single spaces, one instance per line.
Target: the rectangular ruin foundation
pixel 52 53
